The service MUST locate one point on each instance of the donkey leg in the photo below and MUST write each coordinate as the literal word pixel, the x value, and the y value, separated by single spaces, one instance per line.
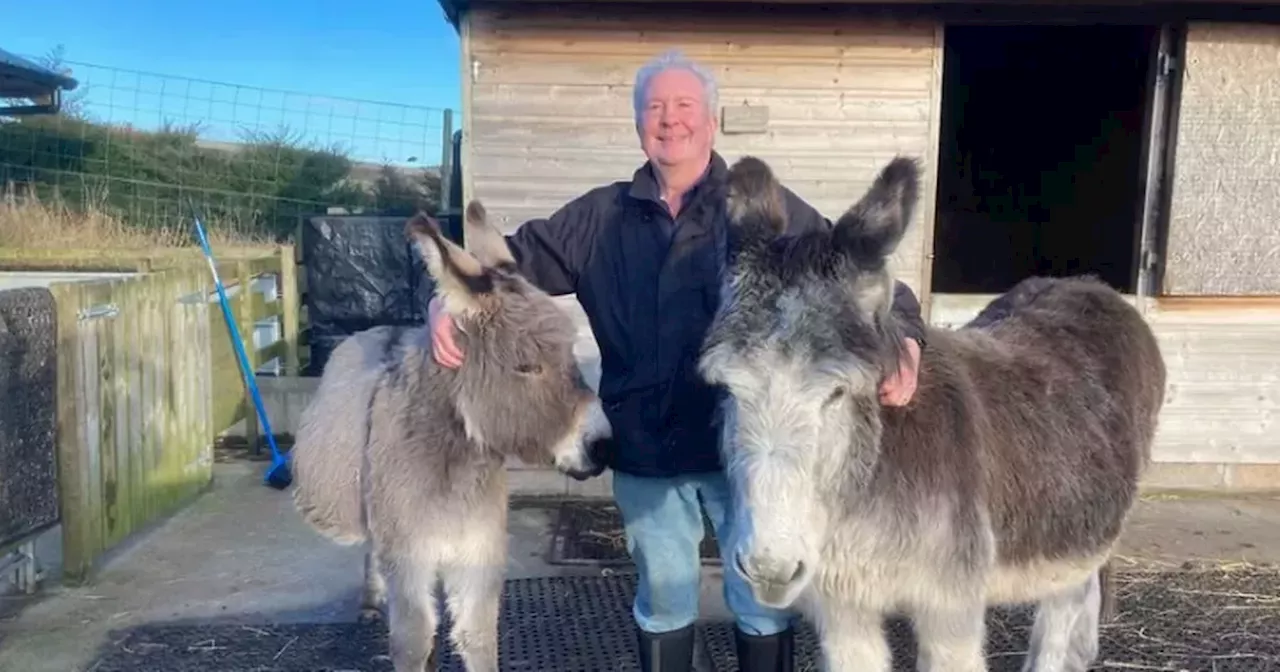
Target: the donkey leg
pixel 1107 587
pixel 411 614
pixel 1065 635
pixel 852 639
pixel 474 595
pixel 951 637
pixel 373 599
pixel 1083 647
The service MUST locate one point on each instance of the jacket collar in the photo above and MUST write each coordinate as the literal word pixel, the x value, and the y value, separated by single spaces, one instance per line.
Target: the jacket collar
pixel 644 183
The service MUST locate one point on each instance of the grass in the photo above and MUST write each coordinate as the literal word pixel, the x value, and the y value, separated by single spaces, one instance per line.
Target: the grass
pixel 26 221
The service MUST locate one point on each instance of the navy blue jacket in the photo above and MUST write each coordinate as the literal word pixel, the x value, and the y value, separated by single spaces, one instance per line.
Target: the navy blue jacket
pixel 650 287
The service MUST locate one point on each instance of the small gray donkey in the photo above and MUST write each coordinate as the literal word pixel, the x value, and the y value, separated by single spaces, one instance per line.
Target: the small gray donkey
pixel 408 455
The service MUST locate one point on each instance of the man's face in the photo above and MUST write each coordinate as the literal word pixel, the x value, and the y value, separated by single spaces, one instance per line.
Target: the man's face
pixel 675 125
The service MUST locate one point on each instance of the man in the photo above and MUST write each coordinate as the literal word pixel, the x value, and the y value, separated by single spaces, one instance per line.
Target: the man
pixel 644 258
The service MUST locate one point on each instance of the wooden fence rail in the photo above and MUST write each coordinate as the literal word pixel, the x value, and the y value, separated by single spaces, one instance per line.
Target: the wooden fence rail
pixel 147 378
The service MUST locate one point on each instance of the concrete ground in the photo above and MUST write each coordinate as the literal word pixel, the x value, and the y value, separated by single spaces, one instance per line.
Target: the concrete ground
pixel 241 553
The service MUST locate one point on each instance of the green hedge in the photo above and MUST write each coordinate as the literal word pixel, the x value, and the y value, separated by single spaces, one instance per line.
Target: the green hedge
pixel 263 184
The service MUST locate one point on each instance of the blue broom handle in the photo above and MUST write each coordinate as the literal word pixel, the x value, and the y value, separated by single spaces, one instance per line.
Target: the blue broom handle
pixel 245 371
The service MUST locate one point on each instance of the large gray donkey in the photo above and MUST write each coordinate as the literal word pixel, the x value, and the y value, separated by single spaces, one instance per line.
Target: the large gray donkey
pixel 408 455
pixel 1007 479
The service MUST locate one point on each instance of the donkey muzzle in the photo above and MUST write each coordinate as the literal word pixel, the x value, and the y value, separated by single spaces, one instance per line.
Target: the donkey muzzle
pixel 776 583
pixel 598 454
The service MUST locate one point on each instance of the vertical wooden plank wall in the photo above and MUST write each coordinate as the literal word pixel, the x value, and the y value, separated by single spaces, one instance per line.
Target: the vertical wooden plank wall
pixel 137 395
pixel 135 439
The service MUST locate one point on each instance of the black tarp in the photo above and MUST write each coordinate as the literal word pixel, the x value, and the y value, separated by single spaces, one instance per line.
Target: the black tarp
pixel 28 417
pixel 361 273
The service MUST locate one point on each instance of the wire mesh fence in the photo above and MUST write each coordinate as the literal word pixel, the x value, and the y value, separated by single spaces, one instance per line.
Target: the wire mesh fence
pixel 136 146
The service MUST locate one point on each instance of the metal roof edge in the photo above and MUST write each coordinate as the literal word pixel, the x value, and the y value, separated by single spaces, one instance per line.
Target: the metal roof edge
pixel 36 72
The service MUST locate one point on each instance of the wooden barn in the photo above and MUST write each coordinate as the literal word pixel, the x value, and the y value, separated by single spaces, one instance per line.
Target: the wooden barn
pixel 1139 142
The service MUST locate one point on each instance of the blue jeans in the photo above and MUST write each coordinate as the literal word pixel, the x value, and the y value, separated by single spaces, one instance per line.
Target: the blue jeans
pixel 663 523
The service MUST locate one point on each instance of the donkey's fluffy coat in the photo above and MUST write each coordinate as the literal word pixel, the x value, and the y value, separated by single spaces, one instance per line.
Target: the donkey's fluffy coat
pixel 1007 479
pixel 409 456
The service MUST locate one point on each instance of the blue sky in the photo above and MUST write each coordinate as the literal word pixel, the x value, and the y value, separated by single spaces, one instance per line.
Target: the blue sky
pixel 400 53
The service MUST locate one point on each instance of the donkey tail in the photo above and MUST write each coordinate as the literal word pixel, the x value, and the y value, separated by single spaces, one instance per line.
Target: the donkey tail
pixel 328 452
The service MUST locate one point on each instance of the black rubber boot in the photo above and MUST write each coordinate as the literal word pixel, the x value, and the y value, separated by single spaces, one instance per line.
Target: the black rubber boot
pixel 666 651
pixel 765 653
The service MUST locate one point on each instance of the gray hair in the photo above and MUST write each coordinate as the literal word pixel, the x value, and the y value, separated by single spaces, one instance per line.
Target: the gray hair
pixel 673 59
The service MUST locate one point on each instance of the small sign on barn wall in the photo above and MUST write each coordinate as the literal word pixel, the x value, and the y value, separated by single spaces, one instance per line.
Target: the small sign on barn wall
pixel 741 119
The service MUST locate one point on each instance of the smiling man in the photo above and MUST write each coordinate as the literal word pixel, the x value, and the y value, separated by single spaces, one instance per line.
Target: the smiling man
pixel 644 257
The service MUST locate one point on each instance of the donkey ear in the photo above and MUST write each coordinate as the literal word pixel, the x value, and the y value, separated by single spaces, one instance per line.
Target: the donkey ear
pixel 870 230
pixel 757 212
pixel 483 239
pixel 460 277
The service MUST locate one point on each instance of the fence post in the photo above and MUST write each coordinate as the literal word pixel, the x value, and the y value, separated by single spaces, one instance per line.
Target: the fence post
pixel 446 160
pixel 244 299
pixel 76 478
pixel 289 319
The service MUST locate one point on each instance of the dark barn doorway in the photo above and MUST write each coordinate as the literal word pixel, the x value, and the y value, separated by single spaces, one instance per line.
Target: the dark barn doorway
pixel 1042 153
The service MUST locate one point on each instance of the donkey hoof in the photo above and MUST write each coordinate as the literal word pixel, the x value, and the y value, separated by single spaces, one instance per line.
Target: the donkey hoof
pixel 369 615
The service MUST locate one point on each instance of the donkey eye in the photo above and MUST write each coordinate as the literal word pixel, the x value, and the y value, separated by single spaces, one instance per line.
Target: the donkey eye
pixel 836 395
pixel 529 369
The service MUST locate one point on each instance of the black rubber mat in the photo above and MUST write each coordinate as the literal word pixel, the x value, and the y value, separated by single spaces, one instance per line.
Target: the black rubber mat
pixel 591 533
pixel 569 624
pixel 1217 620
